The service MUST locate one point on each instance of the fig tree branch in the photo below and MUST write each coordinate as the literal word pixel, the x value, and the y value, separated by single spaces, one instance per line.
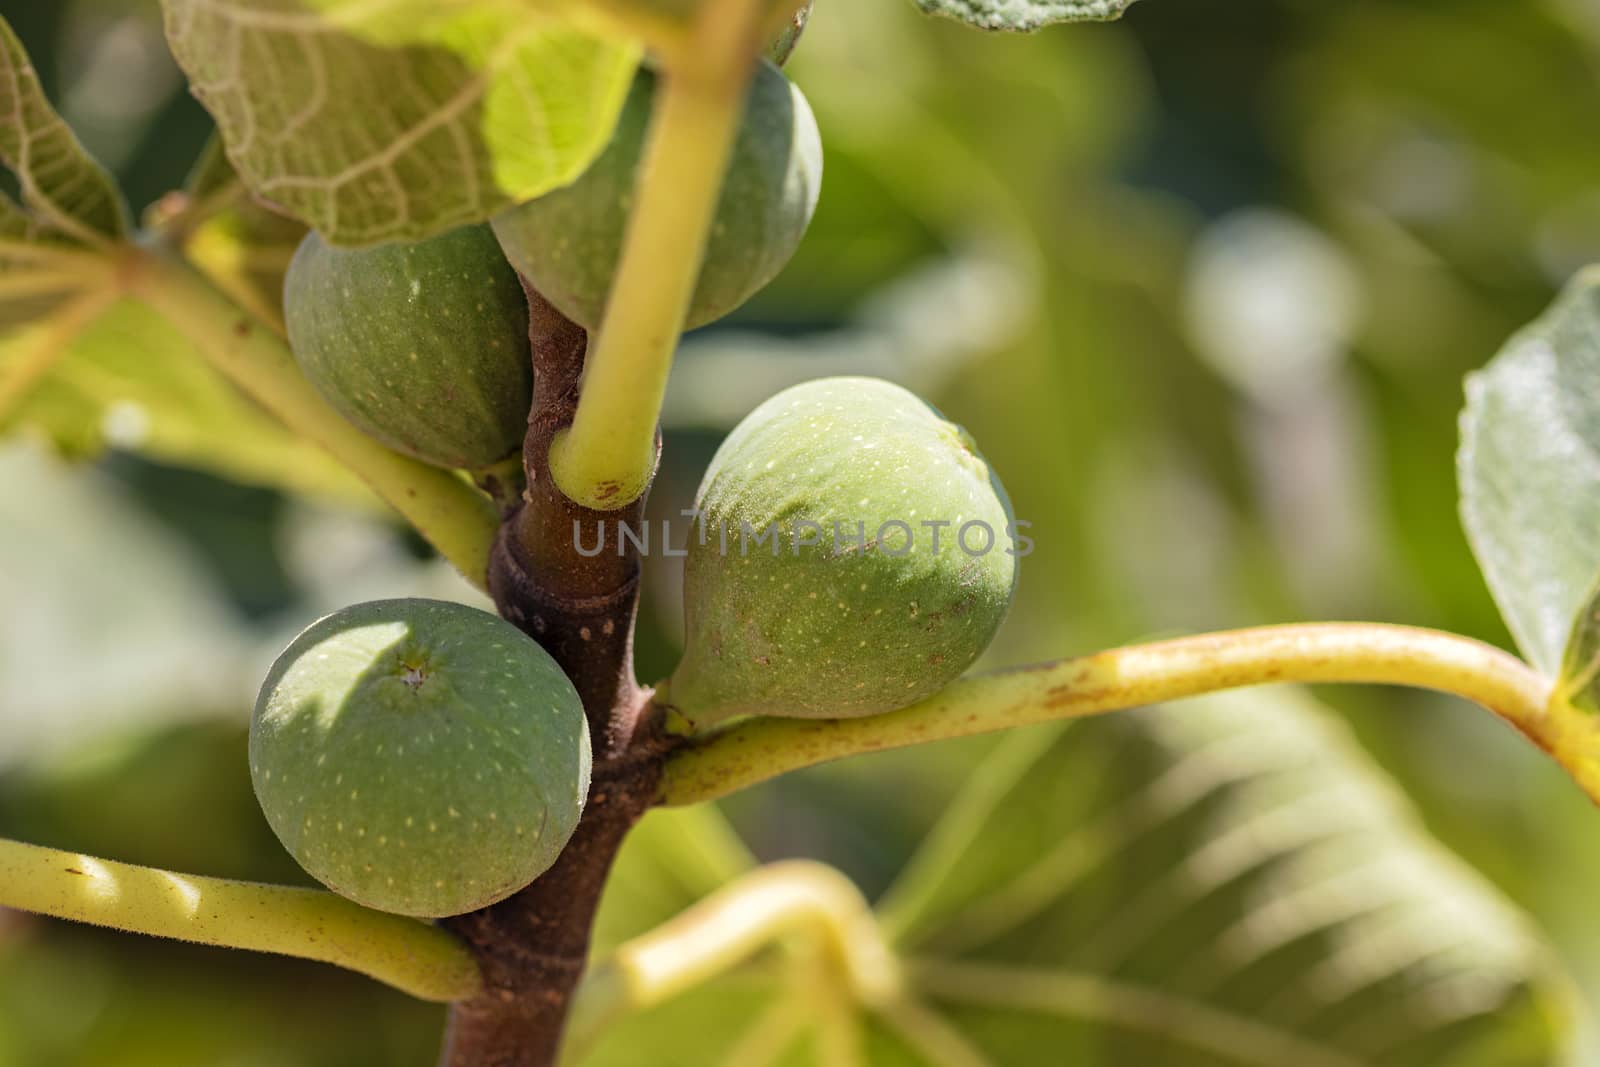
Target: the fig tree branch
pixel 607 457
pixel 743 754
pixel 533 946
pixel 454 517
pixel 412 956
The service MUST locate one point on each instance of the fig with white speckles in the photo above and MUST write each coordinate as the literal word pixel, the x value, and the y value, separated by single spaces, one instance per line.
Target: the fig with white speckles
pixel 423 346
pixel 854 554
pixel 419 757
pixel 569 242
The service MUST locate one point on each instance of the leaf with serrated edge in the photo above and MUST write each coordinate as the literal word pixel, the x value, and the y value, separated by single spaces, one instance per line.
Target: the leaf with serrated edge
pixel 1226 883
pixel 377 120
pixel 1021 16
pixel 63 189
pixel 1529 472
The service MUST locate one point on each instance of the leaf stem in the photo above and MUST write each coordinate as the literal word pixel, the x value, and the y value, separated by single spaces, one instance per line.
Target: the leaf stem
pixel 66 257
pixel 412 956
pixel 743 754
pixel 21 284
pixel 457 520
pixel 606 458
pixel 730 926
pixel 46 342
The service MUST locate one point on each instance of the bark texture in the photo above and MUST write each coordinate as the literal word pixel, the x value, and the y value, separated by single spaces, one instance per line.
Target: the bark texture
pixel 581 608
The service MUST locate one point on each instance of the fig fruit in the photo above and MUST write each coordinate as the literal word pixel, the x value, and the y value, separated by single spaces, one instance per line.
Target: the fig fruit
pixel 423 346
pixel 419 757
pixel 568 242
pixel 854 553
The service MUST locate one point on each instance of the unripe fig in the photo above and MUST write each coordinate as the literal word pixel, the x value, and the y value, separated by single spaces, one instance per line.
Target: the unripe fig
pixel 568 242
pixel 888 564
pixel 419 757
pixel 423 346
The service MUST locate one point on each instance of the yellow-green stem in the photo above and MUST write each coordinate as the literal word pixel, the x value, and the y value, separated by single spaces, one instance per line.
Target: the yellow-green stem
pixel 456 519
pixel 65 256
pixel 729 927
pixel 743 754
pixel 45 342
pixel 412 956
pixel 606 458
pixel 17 285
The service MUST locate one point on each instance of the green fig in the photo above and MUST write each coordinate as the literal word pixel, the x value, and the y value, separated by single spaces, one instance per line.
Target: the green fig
pixel 854 553
pixel 422 346
pixel 568 242
pixel 419 757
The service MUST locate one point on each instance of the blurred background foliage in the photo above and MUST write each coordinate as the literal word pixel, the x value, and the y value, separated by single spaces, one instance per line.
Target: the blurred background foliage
pixel 1204 284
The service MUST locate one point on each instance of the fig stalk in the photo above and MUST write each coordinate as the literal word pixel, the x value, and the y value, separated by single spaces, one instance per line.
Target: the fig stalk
pixel 743 754
pixel 446 510
pixel 605 461
pixel 414 957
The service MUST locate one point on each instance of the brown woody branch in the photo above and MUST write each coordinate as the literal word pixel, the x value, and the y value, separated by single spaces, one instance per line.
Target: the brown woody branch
pixel 581 608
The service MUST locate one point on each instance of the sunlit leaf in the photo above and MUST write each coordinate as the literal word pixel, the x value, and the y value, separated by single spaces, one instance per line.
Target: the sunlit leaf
pixel 378 120
pixel 132 381
pixel 68 201
pixel 1580 663
pixel 1225 883
pixel 1529 469
pixel 1222 882
pixel 228 233
pixel 63 189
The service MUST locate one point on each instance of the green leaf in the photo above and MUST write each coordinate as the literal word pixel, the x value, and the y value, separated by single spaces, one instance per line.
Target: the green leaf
pixel 1529 472
pixel 377 120
pixel 1580 662
pixel 129 379
pixel 32 290
pixel 86 370
pixel 240 245
pixel 64 191
pixel 1223 882
pixel 1227 883
pixel 1021 16
pixel 672 858
pixel 212 176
